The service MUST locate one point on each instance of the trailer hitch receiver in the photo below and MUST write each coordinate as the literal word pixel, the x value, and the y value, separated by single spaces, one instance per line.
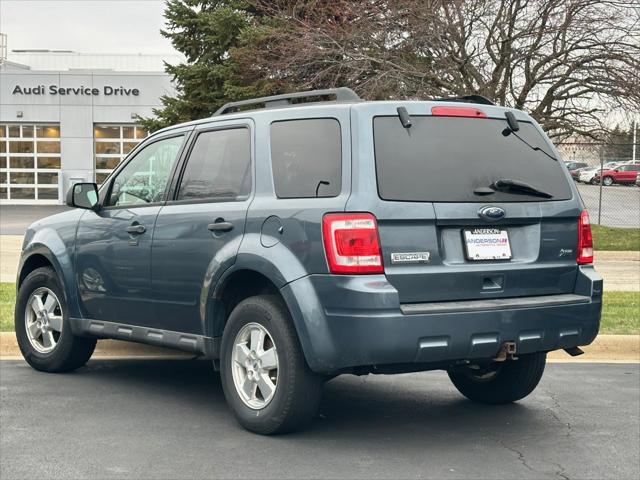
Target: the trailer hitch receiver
pixel 507 351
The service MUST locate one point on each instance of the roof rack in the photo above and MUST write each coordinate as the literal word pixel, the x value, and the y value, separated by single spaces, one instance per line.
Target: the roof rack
pixel 342 94
pixel 466 99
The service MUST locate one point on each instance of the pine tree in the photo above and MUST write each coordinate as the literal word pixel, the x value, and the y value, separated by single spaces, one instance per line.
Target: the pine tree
pixel 206 32
pixel 619 145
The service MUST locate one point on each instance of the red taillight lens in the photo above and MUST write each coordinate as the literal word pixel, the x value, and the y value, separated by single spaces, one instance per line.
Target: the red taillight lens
pixel 585 241
pixel 351 243
pixel 457 112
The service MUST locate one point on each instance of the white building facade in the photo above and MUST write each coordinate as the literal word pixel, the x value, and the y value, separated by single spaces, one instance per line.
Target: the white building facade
pixel 75 123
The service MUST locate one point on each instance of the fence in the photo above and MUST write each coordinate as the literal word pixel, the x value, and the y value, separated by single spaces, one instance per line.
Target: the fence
pixel 612 199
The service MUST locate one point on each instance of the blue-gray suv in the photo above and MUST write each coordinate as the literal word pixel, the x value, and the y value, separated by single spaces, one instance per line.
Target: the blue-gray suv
pixel 294 238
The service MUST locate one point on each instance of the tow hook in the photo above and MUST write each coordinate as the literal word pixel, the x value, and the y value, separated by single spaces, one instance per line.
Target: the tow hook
pixel 507 351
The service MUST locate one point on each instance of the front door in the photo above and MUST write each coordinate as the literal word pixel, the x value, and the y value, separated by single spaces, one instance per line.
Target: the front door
pixel 628 173
pixel 113 245
pixel 198 232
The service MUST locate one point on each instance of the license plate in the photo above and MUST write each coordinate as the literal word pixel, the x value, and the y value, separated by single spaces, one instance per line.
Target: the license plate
pixel 487 244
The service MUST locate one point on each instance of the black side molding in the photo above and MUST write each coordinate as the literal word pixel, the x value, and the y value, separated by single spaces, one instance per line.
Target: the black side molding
pixel 198 344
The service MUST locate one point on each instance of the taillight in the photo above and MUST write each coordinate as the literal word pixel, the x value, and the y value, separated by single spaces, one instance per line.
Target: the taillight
pixel 351 243
pixel 585 241
pixel 457 112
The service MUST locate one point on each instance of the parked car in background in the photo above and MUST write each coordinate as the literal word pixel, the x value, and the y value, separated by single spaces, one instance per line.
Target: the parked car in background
pixel 575 174
pixel 587 175
pixel 623 174
pixel 575 167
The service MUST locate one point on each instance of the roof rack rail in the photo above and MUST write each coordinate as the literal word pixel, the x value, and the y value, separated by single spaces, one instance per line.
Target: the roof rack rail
pixel 466 99
pixel 341 94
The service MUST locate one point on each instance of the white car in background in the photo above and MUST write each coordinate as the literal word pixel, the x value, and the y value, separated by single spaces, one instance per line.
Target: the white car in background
pixel 587 175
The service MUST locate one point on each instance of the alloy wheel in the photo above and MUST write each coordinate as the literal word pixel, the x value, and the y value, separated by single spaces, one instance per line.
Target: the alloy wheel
pixel 254 366
pixel 43 320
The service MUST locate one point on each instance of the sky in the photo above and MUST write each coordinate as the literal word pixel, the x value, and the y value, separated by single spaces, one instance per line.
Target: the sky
pixel 89 26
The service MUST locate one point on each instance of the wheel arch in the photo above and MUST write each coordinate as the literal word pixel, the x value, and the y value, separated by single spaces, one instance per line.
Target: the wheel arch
pixel 33 262
pixel 236 286
pixel 38 255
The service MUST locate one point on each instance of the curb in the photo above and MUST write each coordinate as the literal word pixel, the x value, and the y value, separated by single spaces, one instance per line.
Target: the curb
pixel 616 255
pixel 605 348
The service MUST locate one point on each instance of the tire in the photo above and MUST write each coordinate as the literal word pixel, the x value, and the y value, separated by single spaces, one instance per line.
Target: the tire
pixel 297 389
pixel 607 181
pixel 593 181
pixel 67 352
pixel 512 381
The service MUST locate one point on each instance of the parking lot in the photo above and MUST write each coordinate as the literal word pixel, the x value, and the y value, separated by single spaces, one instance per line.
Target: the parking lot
pixel 168 419
pixel 620 204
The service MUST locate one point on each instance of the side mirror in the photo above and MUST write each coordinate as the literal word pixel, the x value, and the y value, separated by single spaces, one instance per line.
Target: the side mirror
pixel 83 195
pixel 616 170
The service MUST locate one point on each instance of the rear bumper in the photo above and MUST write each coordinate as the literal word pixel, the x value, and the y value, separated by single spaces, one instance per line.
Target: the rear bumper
pixel 352 321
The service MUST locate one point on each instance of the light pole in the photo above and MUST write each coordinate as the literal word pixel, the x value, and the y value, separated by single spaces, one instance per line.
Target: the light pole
pixel 635 127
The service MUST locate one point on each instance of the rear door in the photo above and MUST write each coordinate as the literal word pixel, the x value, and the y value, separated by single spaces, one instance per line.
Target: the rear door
pixel 446 234
pixel 198 231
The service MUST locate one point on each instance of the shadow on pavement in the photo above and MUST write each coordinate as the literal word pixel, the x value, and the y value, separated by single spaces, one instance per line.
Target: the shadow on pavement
pixel 373 406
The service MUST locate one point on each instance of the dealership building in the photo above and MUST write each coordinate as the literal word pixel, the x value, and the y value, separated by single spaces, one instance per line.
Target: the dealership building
pixel 67 117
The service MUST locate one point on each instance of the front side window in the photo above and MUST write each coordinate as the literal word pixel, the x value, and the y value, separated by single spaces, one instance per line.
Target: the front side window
pixel 306 158
pixel 112 143
pixel 218 166
pixel 145 178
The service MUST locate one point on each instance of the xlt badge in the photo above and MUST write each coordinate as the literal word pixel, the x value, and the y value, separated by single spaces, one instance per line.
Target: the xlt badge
pixel 410 257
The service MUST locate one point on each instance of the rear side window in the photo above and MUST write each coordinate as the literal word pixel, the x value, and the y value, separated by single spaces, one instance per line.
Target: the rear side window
pixel 218 166
pixel 444 159
pixel 306 158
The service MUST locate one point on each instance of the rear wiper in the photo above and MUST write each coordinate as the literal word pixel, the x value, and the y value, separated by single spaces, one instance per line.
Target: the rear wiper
pixel 405 118
pixel 512 186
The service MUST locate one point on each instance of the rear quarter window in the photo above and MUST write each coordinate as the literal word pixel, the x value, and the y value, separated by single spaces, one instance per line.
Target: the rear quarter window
pixel 306 158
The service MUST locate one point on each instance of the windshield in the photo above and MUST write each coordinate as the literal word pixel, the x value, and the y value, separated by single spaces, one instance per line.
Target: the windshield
pixel 444 159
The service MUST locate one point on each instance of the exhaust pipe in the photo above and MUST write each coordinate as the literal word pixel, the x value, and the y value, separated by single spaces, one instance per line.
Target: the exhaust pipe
pixel 574 351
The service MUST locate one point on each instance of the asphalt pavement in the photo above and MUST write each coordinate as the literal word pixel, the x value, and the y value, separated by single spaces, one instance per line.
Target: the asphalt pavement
pixel 620 204
pixel 168 419
pixel 14 219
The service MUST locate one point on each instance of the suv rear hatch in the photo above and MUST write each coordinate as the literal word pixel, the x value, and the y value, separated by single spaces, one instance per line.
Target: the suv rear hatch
pixel 440 225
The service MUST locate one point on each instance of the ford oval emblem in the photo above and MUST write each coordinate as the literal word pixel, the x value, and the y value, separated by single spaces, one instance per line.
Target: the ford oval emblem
pixel 491 213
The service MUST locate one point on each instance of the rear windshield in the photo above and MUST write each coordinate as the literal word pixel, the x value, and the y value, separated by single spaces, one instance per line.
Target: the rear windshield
pixel 444 159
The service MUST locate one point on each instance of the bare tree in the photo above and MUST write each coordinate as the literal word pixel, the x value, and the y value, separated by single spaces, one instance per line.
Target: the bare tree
pixel 569 63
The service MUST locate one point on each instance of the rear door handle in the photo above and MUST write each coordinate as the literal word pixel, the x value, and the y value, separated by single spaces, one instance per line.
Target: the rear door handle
pixel 136 229
pixel 220 226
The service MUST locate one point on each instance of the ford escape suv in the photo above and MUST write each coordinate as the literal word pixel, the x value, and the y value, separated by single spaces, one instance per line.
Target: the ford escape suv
pixel 294 238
